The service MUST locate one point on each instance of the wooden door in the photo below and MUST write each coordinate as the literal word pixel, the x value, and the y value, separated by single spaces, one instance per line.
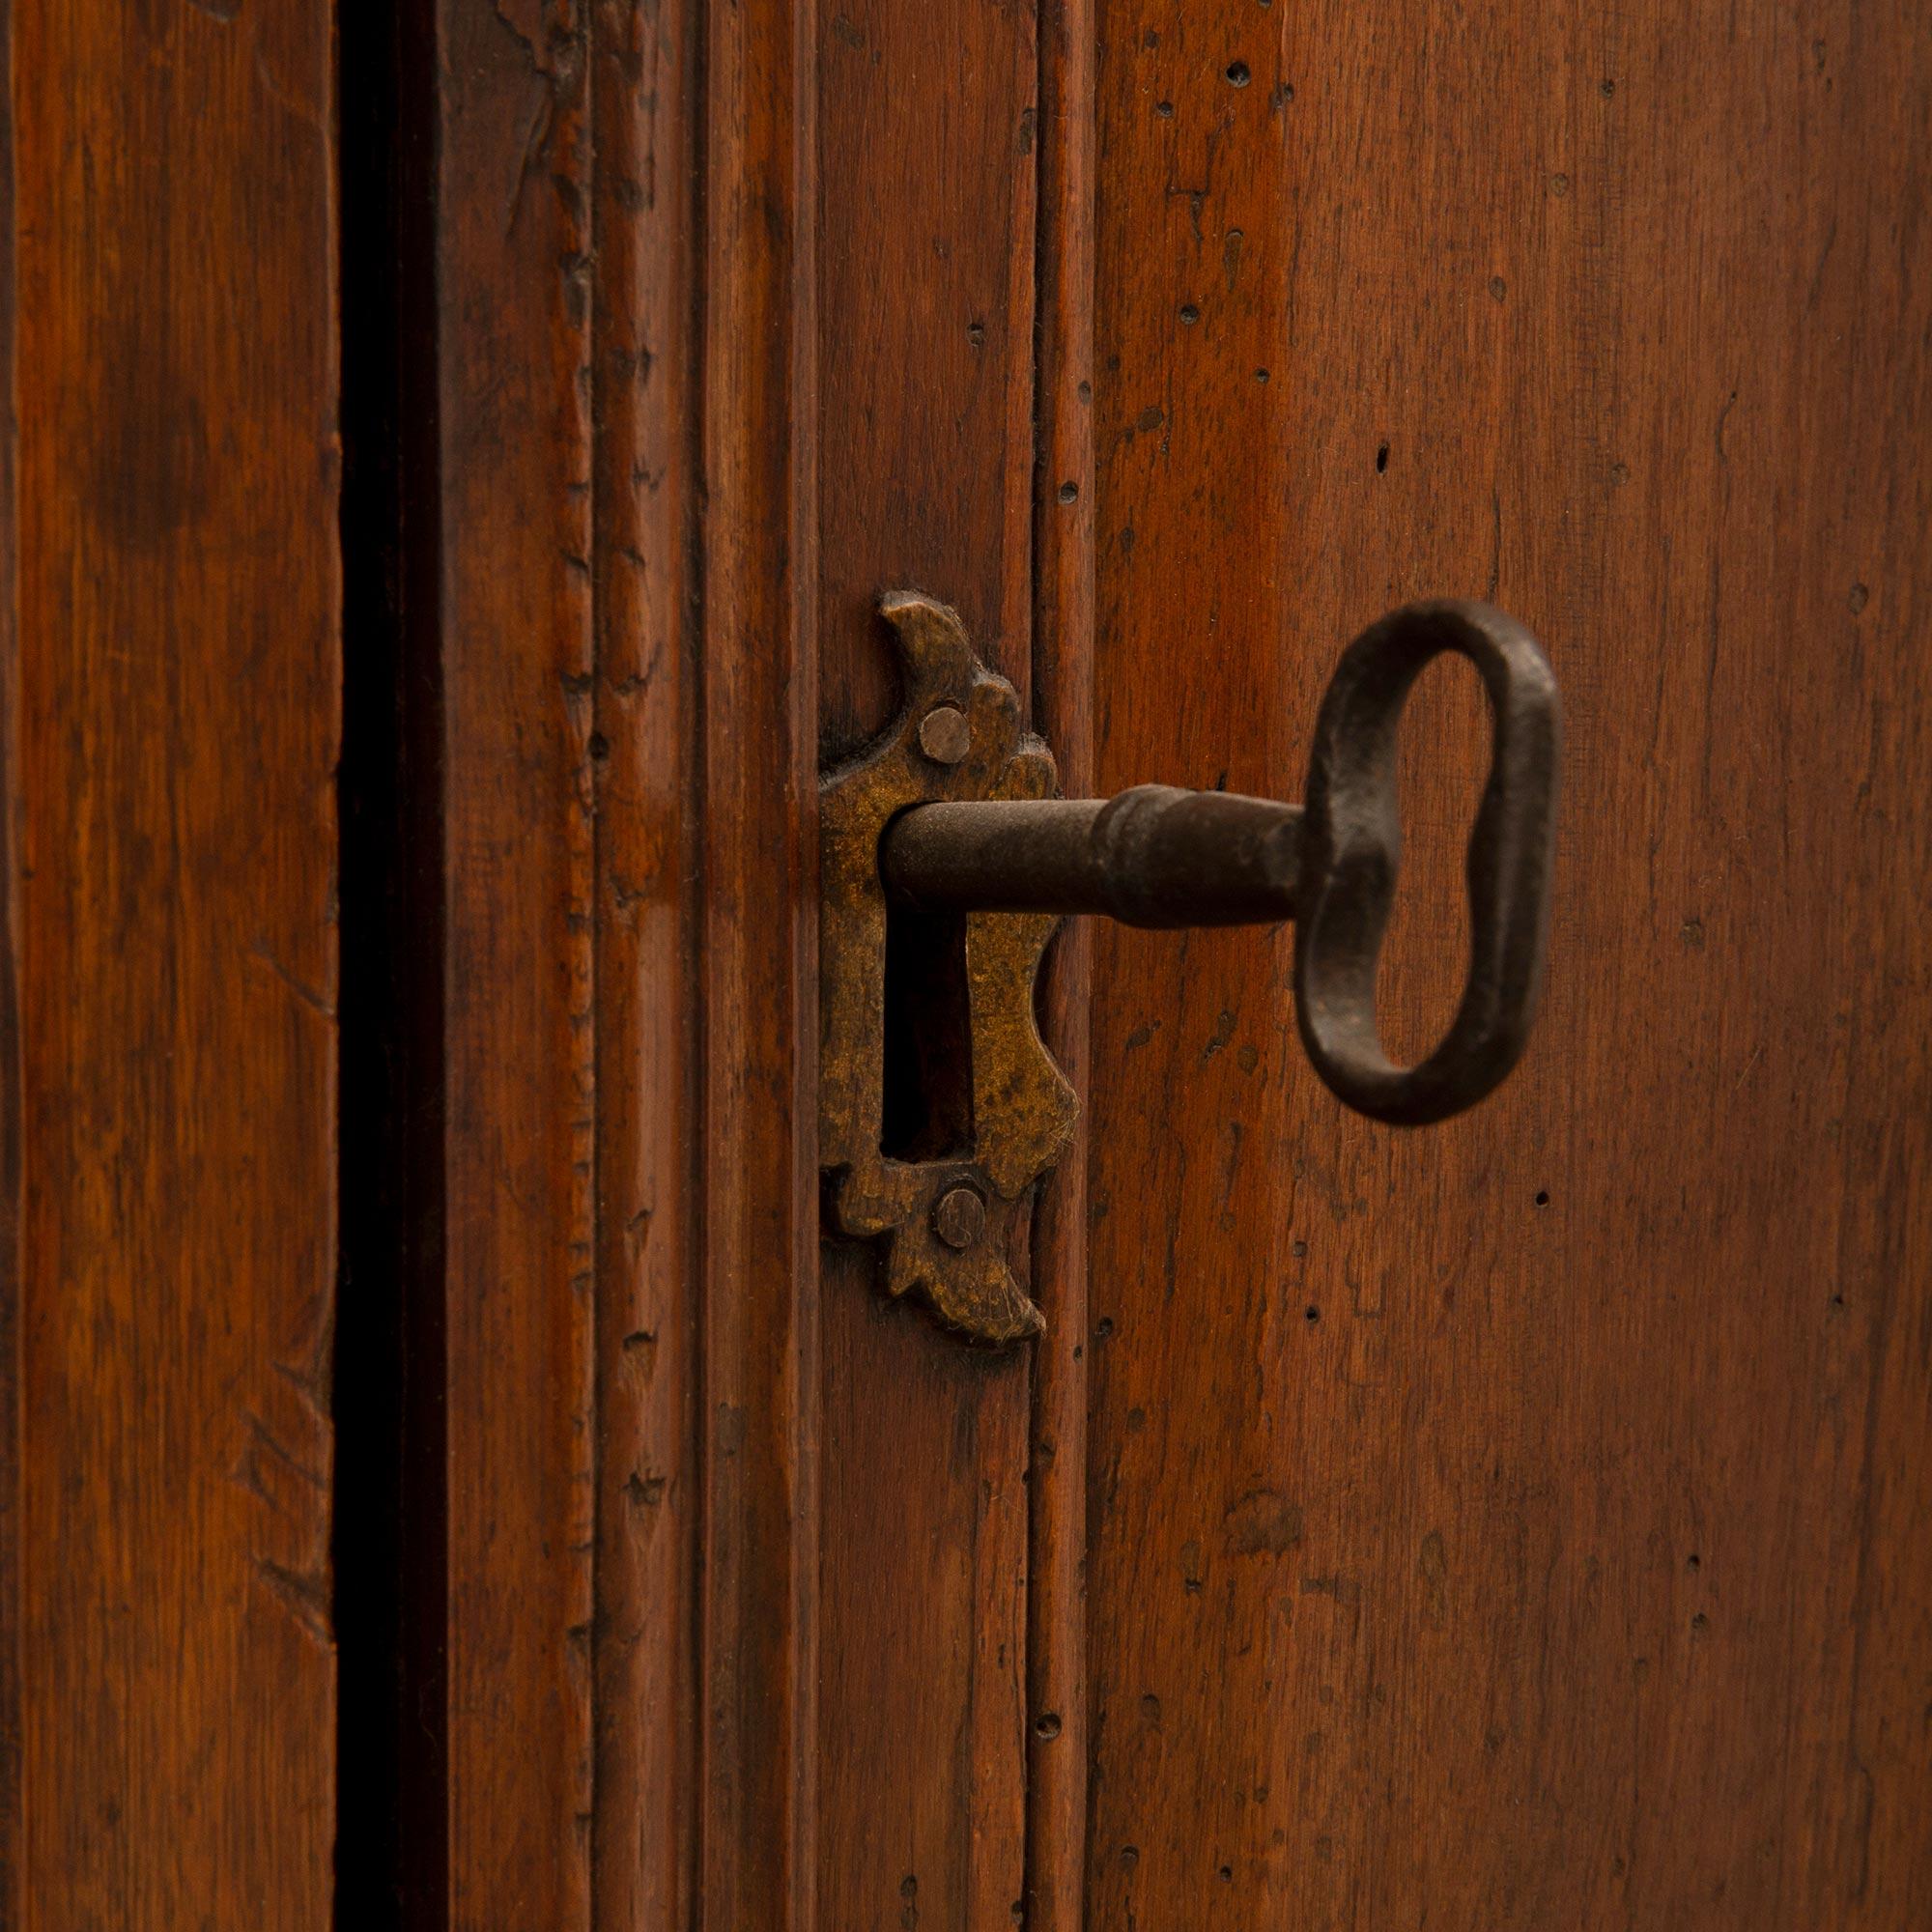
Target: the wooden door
pixel 170 661
pixel 455 454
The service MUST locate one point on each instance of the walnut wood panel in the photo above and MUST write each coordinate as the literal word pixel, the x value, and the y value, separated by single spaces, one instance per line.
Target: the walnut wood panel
pixel 1517 1523
pixel 630 795
pixel 758 959
pixel 645 701
pixel 518 663
pixel 924 213
pixel 167 1028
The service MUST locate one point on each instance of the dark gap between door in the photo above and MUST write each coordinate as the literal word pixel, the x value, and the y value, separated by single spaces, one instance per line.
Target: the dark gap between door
pixel 389 1542
pixel 926 1109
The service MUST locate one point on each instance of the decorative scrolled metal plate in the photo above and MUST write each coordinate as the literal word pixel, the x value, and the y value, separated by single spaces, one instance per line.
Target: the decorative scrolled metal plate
pixel 937 1240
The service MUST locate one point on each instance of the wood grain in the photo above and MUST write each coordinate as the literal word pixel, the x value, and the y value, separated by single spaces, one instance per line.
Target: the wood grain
pixel 692 263
pixel 1514 1523
pixel 626 341
pixel 646 702
pixel 1057 1698
pixel 758 1279
pixel 168 1247
pixel 518 665
pixel 11 1094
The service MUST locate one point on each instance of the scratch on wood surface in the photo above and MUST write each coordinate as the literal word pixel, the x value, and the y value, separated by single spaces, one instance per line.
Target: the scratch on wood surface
pixel 302 990
pixel 303 1594
pixel 555 75
pixel 303 113
pixel 314 1375
pixel 262 1439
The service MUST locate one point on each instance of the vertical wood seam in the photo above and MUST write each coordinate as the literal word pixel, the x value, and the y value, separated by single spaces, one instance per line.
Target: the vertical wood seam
pixel 692 1761
pixel 513 166
pixel 596 509
pixel 804 709
pixel 12 1096
pixel 759 1026
pixel 1063 565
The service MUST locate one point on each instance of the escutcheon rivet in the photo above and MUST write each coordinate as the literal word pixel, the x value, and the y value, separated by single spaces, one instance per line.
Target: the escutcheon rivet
pixel 946 734
pixel 960 1218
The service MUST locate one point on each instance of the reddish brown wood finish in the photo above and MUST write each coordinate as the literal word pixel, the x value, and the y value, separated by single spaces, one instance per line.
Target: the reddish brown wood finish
pixel 12 1589
pixel 758 964
pixel 848 294
pixel 1519 1523
pixel 1057 1745
pixel 630 782
pixel 520 1069
pixel 644 706
pixel 169 664
pixel 927 134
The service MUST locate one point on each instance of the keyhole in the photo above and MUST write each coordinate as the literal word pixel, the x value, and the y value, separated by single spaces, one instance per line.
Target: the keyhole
pixel 927 1105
